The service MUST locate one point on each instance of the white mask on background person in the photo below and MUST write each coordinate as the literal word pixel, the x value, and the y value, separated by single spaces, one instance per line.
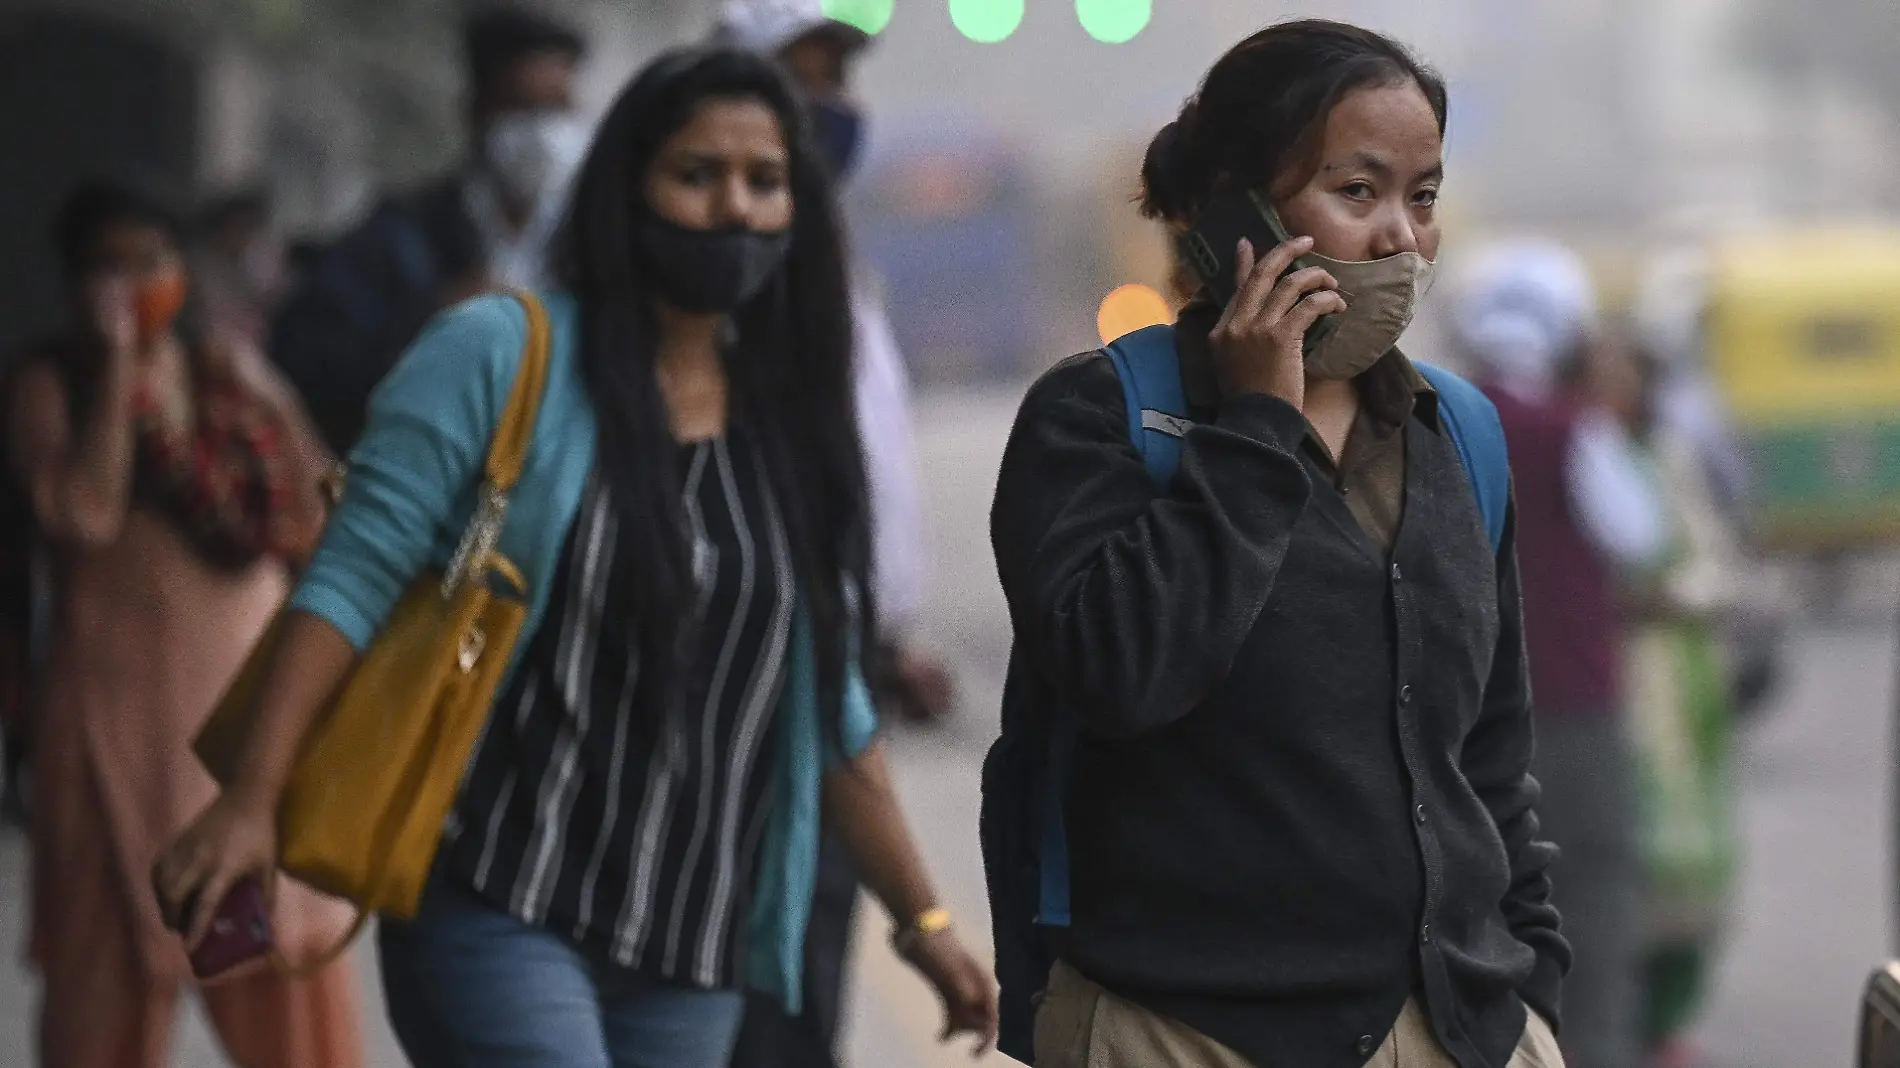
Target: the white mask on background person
pixel 533 154
pixel 1382 296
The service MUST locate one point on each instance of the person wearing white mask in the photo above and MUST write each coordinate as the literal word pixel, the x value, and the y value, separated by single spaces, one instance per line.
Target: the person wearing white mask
pixel 528 140
pixel 1587 512
pixel 484 225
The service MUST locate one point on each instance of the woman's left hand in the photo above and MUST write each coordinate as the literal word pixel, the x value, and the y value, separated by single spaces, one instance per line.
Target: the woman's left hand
pixel 967 991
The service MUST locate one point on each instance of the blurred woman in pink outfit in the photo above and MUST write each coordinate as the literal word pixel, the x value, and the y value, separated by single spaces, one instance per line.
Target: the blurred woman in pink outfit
pixel 172 479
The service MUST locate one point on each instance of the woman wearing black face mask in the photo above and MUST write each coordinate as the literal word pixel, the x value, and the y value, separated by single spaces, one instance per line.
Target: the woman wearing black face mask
pixel 635 837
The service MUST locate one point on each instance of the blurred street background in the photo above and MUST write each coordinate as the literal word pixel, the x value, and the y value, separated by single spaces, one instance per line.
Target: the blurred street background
pixel 1730 169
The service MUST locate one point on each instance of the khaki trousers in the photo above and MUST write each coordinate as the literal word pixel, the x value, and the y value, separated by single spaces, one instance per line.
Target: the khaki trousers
pixel 1081 1025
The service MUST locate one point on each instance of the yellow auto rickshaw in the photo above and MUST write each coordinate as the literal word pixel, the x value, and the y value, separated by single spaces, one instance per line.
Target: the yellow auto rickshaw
pixel 1804 342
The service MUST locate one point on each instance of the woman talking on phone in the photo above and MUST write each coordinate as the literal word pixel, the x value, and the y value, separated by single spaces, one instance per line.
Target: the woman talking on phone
pixel 627 851
pixel 1299 820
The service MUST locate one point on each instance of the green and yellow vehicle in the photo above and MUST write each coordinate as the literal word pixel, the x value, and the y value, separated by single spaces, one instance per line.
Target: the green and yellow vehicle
pixel 1804 342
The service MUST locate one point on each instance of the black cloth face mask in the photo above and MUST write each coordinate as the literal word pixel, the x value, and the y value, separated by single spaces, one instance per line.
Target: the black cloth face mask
pixel 709 270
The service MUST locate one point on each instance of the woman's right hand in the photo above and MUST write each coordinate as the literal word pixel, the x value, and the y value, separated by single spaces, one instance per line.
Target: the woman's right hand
pixel 232 839
pixel 1260 341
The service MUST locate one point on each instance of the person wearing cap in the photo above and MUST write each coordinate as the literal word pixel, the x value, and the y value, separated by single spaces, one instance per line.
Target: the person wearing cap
pixel 819 53
pixel 486 224
pixel 1586 513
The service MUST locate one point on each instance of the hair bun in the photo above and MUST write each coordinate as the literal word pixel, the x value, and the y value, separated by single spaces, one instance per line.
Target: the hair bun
pixel 1166 168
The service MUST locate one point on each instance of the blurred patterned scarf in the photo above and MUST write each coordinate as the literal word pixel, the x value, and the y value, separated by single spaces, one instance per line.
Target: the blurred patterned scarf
pixel 223 479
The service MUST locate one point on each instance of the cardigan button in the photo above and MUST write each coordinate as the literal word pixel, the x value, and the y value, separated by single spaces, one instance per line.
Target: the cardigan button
pixel 1397 575
pixel 1367 1044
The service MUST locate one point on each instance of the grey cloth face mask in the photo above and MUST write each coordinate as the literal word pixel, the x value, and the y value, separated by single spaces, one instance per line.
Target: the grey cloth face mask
pixel 1381 298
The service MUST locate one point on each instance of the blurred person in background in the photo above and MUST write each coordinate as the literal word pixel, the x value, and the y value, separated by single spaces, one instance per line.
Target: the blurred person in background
pixel 1587 513
pixel 1681 695
pixel 173 478
pixel 359 302
pixel 819 53
pixel 240 265
pixel 1301 828
pixel 1682 393
pixel 1685 399
pixel 636 837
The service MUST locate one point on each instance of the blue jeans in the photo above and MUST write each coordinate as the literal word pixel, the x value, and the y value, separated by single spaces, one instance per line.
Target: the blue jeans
pixel 469 986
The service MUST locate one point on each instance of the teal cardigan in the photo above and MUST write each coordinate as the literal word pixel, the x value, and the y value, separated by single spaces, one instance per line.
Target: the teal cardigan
pixel 411 490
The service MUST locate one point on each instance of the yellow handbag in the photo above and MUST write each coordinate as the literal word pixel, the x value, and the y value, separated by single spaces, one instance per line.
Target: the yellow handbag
pixel 380 769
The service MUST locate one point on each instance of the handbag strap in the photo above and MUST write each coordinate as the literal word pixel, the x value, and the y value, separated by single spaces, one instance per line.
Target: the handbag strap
pixel 508 452
pixel 508 449
pixel 507 455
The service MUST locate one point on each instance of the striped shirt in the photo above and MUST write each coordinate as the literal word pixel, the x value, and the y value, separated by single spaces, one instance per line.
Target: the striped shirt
pixel 639 840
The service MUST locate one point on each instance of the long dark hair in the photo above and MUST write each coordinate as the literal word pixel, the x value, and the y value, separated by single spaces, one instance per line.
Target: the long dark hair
pixel 789 369
pixel 1263 104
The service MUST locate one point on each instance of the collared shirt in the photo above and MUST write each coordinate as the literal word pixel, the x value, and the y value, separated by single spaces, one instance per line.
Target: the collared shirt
pixel 1370 474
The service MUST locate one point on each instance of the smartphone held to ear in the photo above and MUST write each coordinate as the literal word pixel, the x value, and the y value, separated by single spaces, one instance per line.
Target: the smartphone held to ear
pixel 1211 244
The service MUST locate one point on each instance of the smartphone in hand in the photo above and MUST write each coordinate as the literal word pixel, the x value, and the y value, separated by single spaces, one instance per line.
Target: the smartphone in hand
pixel 1211 244
pixel 239 933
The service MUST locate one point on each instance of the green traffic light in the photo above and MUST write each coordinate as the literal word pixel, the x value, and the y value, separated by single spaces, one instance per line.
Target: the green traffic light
pixel 1114 21
pixel 871 16
pixel 986 21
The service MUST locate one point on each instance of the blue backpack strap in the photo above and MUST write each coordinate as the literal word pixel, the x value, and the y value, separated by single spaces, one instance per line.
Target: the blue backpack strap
pixel 1150 373
pixel 1472 422
pixel 1150 370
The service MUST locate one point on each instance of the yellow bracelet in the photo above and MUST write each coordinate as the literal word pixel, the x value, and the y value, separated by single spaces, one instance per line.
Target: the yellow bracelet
pixel 927 923
pixel 931 922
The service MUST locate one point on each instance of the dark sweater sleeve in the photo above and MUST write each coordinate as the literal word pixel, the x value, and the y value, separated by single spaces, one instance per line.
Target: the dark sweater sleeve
pixel 1497 761
pixel 1134 605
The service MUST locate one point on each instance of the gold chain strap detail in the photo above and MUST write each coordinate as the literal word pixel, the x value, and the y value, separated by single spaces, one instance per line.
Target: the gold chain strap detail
pixel 478 541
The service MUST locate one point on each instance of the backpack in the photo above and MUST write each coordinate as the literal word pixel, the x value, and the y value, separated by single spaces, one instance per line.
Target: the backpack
pixel 362 299
pixel 1025 844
